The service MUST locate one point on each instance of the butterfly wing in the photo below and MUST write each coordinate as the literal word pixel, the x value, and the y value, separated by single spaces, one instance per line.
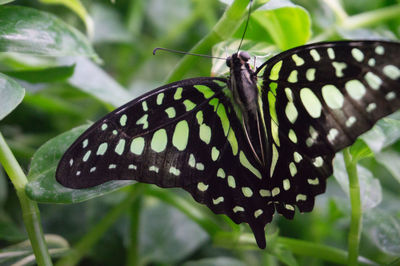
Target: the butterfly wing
pixel 321 98
pixel 185 134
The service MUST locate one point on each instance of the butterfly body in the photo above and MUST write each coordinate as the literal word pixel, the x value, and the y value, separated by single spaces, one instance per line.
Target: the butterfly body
pixel 243 149
pixel 243 83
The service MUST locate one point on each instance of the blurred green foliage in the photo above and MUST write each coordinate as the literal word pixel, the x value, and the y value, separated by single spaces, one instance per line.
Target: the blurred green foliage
pixel 71 62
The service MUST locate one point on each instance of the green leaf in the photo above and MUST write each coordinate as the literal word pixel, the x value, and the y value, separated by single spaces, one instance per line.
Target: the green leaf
pixel 2 2
pixel 11 95
pixel 110 26
pixel 390 159
pixel 280 22
pixel 285 256
pixel 218 261
pixel 370 187
pixel 92 79
pixel 384 231
pixel 166 235
pixel 27 30
pixel 77 7
pixel 50 74
pixel 21 253
pixel 384 133
pixel 10 232
pixel 42 185
pixel 360 150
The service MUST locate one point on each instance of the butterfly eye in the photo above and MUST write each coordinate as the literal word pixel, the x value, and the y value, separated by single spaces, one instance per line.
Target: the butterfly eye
pixel 228 61
pixel 245 56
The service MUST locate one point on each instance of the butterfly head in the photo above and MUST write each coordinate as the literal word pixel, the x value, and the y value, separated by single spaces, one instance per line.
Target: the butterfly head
pixel 240 58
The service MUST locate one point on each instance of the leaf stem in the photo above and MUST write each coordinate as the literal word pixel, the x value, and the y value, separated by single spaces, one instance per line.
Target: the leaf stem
pixel 30 210
pixel 133 250
pixel 360 20
pixel 324 252
pixel 371 17
pixel 84 245
pixel 356 210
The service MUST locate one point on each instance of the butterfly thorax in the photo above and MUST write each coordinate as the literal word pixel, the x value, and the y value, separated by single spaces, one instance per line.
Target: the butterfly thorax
pixel 243 83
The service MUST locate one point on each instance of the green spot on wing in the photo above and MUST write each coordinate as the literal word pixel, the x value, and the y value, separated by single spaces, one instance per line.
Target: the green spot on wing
pixel 102 148
pixel 274 75
pixel 245 162
pixel 205 90
pixel 119 149
pixel 160 98
pixel 159 140
pixel 205 133
pixel 355 89
pixel 87 155
pixel 178 93
pixel 122 120
pixel 170 112
pixel 137 145
pixel 221 173
pixel 221 112
pixel 214 153
pixel 189 105
pixel 332 96
pixel 181 135
pixel 311 102
pixel 231 181
pixel 247 192
pixel 202 187
pixel 192 161
pixel 143 121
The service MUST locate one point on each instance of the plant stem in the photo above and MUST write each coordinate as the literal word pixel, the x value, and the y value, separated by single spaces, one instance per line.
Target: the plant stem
pixel 371 17
pixel 85 244
pixel 361 20
pixel 324 252
pixel 133 250
pixel 226 27
pixel 30 210
pixel 356 210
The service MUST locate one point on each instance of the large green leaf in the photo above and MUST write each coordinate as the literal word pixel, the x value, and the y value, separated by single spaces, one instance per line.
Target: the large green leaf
pixel 383 229
pixel 11 95
pixel 287 25
pixel 50 74
pixel 90 78
pixel 384 133
pixel 2 2
pixel 390 159
pixel 27 30
pixel 78 8
pixel 280 22
pixel 166 235
pixel 42 185
pixel 9 231
pixel 370 187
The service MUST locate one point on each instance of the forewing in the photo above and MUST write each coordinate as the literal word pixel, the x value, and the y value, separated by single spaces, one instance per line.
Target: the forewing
pixel 185 134
pixel 321 98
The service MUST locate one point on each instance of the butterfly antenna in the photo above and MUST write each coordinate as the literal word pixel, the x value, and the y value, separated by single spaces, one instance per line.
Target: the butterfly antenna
pixel 185 53
pixel 245 27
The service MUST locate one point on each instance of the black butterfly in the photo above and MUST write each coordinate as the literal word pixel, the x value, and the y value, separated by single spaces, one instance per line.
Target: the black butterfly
pixel 243 148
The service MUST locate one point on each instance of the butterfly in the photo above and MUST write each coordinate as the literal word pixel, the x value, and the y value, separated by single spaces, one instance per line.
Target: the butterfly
pixel 246 147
